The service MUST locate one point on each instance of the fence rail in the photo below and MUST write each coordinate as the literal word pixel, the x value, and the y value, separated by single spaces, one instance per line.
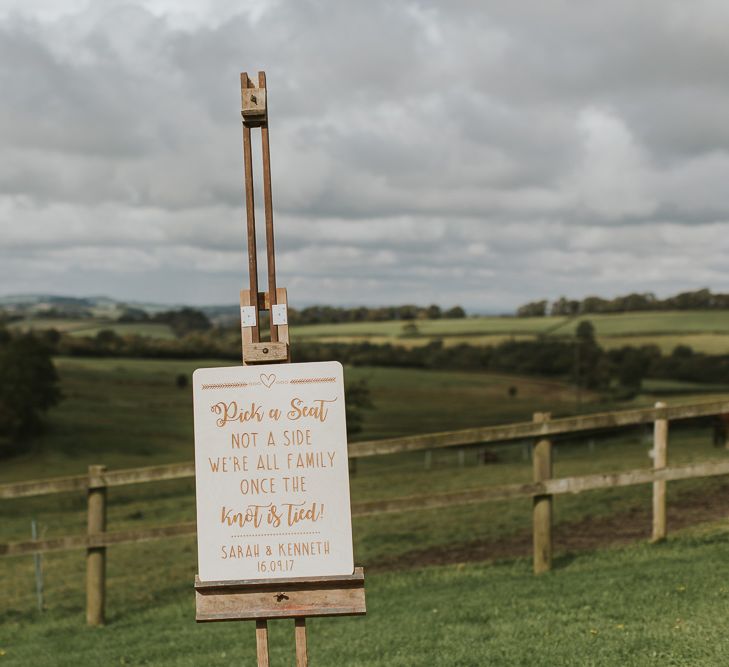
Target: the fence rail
pixel 583 423
pixel 541 490
pixel 83 482
pixel 460 438
pixel 550 487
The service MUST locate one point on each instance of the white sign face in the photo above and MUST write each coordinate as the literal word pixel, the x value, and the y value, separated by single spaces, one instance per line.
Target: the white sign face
pixel 271 472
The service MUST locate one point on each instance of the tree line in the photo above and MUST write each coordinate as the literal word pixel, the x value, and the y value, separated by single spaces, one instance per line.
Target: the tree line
pixel 579 359
pixel 186 320
pixel 702 299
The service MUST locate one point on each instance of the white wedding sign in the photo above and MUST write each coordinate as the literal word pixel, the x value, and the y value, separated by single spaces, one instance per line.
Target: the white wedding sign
pixel 271 471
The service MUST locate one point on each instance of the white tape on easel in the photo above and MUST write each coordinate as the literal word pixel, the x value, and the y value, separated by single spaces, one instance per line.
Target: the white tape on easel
pixel 279 314
pixel 248 316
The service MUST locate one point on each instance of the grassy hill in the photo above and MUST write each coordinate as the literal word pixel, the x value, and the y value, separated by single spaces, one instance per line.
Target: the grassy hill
pixel 641 605
pixel 132 412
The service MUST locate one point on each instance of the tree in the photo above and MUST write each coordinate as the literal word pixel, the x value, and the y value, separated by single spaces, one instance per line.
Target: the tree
pixel 184 321
pixel 585 332
pixel 590 367
pixel 682 352
pixel 632 370
pixel 455 313
pixel 129 314
pixel 28 388
pixel 533 309
pixel 107 338
pixel 565 306
pixel 407 312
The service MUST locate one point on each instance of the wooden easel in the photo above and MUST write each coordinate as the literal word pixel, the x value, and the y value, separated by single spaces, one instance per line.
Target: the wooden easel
pixel 296 598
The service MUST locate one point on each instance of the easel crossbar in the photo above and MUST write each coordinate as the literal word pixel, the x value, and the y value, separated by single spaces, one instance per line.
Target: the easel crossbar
pixel 280 598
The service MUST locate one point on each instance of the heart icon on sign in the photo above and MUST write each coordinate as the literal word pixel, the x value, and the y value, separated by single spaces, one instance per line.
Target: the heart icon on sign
pixel 268 380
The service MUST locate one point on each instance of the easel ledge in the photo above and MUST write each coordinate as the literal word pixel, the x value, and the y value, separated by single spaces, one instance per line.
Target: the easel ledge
pixel 253 599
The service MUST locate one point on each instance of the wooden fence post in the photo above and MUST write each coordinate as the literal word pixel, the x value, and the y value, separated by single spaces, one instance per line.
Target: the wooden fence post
pixel 542 505
pixel 660 460
pixel 96 556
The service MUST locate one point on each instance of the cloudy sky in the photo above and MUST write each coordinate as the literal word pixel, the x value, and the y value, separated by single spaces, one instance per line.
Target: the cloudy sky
pixel 482 153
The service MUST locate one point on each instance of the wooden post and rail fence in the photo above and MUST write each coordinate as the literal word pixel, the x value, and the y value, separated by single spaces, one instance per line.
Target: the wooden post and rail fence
pixel 542 490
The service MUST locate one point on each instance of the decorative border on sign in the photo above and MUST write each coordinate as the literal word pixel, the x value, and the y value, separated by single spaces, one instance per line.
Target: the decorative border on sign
pixel 238 385
pixel 304 532
pixel 312 380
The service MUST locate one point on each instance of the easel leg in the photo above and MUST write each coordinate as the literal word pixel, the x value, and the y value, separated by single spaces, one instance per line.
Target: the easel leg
pixel 262 643
pixel 302 657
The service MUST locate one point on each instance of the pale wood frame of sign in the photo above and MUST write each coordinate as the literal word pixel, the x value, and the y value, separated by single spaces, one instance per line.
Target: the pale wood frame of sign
pixel 296 598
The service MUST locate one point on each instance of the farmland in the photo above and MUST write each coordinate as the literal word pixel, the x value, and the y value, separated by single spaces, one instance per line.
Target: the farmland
pixel 704 331
pixel 92 326
pixel 129 412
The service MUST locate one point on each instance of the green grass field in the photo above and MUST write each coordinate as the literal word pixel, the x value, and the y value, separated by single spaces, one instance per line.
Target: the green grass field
pixel 129 412
pixel 92 326
pixel 123 412
pixel 132 411
pixel 705 331
pixel 642 605
pixel 643 323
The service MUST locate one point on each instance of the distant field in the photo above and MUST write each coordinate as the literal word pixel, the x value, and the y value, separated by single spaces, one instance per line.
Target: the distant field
pixel 443 327
pixel 669 322
pixel 704 331
pixel 150 329
pixel 91 326
pixel 707 343
pixel 43 323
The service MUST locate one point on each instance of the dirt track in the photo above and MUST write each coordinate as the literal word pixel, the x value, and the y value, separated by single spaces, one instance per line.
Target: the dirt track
pixel 584 535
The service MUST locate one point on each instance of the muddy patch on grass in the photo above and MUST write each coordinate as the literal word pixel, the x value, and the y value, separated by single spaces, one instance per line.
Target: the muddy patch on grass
pixel 590 533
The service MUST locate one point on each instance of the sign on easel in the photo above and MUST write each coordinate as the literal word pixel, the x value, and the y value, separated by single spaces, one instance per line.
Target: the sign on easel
pixel 271 472
pixel 273 515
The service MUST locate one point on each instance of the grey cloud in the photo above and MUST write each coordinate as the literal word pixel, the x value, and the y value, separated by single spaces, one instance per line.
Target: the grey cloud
pixel 486 153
